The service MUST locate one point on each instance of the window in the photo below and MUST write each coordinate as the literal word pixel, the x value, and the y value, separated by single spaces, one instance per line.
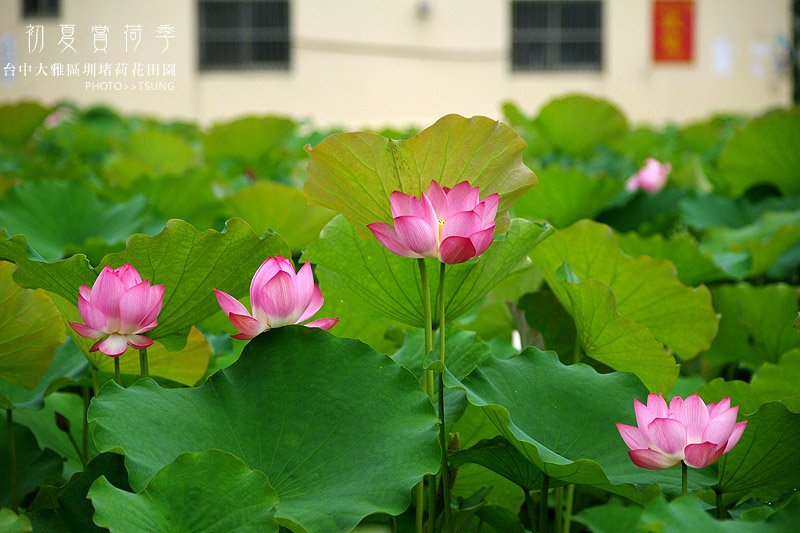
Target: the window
pixel 40 8
pixel 244 35
pixel 549 35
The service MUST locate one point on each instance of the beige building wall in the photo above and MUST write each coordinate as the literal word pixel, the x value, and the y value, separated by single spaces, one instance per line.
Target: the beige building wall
pixel 378 62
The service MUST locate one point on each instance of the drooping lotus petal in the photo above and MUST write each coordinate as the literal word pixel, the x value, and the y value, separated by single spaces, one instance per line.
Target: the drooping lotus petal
pixel 423 226
pixel 117 309
pixel 685 430
pixel 279 297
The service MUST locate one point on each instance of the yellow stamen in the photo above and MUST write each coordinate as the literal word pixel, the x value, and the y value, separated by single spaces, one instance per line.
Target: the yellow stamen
pixel 441 225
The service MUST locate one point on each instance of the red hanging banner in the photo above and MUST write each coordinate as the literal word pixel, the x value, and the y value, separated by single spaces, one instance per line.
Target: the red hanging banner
pixel 673 31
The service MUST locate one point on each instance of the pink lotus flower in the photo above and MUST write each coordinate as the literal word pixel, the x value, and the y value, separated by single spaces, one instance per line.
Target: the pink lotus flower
pixel 688 430
pixel 452 225
pixel 651 177
pixel 117 309
pixel 279 297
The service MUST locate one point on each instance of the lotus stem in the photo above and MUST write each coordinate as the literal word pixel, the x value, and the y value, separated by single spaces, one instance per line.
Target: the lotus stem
pixel 543 504
pixel 559 492
pixel 568 510
pixel 442 428
pixel 427 385
pixel 720 504
pixel 144 367
pixel 530 506
pixel 12 459
pixel 86 422
pixel 116 371
pixel 684 478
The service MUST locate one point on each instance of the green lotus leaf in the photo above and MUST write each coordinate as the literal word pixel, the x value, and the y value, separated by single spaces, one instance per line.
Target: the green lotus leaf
pixel 30 332
pixel 11 522
pixel 687 513
pixel 249 143
pixel 54 214
pixel 764 241
pixel 473 427
pixel 755 325
pixel 465 351
pixel 763 151
pixel 162 152
pixel 61 277
pixel 34 465
pixel 43 424
pixel 354 173
pixel 600 121
pixel 297 406
pixel 551 323
pixel 205 491
pixel 362 271
pixel 561 418
pixel 67 365
pixel 766 461
pixel 646 290
pixel 779 382
pixel 190 197
pixel 741 393
pixel 191 264
pixel 565 196
pixel 611 517
pixel 281 208
pixel 694 266
pixel 20 121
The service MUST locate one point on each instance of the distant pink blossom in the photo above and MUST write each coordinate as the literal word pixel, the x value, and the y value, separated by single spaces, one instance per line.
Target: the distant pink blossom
pixel 118 309
pixel 279 297
pixel 686 430
pixel 651 177
pixel 452 225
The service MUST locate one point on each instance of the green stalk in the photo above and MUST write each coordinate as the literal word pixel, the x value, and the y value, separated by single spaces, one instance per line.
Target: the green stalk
pixel 116 371
pixel 144 367
pixel 442 429
pixel 529 505
pixel 543 505
pixel 684 479
pixel 720 504
pixel 427 386
pixel 77 449
pixel 86 422
pixel 12 460
pixel 568 510
pixel 559 491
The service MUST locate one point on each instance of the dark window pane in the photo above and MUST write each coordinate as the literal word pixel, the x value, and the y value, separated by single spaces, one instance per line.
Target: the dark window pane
pixel 220 54
pixel 529 56
pixel 271 52
pixel 41 8
pixel 220 15
pixel 580 54
pixel 580 15
pixel 270 15
pixel 529 14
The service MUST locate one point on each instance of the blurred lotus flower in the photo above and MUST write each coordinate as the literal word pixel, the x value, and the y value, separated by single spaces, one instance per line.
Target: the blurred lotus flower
pixel 452 225
pixel 651 177
pixel 279 297
pixel 688 430
pixel 117 309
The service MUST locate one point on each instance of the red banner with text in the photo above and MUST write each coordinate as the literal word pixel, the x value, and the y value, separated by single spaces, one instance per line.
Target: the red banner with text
pixel 673 31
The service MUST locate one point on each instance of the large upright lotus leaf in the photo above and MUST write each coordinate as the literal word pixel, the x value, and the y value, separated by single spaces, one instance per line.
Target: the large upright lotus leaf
pixel 616 340
pixel 53 214
pixel 61 277
pixel 565 196
pixel 576 124
pixel 281 208
pixel 20 121
pixel 205 491
pixel 191 264
pixel 354 173
pixel 647 291
pixel 319 415
pixel 363 271
pixel 465 351
pixel 780 382
pixel 30 331
pixel 500 456
pixel 766 461
pixel 694 266
pixel 764 241
pixel 561 418
pixel 755 325
pixel 67 365
pixel 764 151
pixel 255 142
pixel 741 393
pixel 187 365
pixel 190 197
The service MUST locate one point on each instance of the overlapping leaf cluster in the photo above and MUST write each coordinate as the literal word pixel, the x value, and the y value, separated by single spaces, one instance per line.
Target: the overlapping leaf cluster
pixel 694 288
